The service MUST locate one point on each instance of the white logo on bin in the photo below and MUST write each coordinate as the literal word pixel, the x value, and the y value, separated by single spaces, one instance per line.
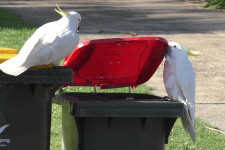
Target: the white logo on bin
pixel 4 142
pixel 3 128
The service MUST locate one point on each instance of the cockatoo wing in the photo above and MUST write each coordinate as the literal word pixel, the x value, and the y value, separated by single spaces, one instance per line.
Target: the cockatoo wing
pixel 52 48
pixel 169 77
pixel 44 35
pixel 14 66
pixel 185 76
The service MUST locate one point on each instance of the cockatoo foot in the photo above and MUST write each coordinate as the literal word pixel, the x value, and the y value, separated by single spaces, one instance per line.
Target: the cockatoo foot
pixel 166 98
pixel 43 66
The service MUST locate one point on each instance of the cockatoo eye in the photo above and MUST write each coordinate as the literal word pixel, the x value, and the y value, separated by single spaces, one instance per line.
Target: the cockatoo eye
pixel 174 46
pixel 79 20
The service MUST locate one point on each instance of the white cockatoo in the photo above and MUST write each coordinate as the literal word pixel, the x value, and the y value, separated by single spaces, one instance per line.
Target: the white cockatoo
pixel 48 45
pixel 179 81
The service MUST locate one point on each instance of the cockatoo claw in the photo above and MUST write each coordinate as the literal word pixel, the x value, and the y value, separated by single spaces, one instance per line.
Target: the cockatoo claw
pixel 166 98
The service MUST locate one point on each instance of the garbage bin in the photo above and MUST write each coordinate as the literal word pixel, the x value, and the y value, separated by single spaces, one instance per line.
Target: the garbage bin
pixel 25 107
pixel 116 121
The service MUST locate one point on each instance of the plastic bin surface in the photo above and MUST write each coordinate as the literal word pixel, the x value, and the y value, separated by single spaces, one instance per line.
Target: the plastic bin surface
pixel 117 62
pixel 25 107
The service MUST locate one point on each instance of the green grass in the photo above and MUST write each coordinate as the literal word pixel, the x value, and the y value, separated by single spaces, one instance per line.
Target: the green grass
pixel 140 89
pixel 14 32
pixel 206 139
pixel 56 141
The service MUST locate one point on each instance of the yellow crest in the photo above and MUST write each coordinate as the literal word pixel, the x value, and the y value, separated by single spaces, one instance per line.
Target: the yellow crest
pixel 61 12
pixel 193 53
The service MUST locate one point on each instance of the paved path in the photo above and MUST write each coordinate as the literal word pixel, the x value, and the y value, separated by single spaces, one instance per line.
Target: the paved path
pixel 189 24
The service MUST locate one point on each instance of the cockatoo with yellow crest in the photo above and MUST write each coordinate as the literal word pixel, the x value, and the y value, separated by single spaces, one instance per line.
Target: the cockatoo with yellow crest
pixel 179 81
pixel 48 45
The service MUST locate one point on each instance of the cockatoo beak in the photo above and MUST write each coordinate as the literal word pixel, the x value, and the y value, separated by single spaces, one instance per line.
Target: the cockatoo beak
pixel 168 51
pixel 61 12
pixel 78 29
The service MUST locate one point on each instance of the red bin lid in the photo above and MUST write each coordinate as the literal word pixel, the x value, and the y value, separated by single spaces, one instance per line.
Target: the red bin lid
pixel 117 62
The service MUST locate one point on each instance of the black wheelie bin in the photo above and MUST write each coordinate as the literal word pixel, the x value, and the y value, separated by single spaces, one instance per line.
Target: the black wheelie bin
pixel 25 107
pixel 116 121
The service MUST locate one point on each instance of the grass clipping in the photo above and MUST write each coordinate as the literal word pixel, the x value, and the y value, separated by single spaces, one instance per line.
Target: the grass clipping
pixel 212 129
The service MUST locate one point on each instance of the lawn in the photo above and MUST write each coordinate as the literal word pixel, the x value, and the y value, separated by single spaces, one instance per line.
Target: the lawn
pixel 14 32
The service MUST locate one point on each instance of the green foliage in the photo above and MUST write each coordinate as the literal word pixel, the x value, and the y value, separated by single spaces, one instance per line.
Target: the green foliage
pixel 218 4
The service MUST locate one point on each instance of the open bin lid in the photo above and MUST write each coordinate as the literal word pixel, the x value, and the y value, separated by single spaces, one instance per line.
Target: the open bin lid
pixel 117 62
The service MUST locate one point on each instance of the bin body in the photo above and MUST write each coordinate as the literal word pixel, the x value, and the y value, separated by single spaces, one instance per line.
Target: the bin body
pixel 25 108
pixel 119 133
pixel 27 111
pixel 112 121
